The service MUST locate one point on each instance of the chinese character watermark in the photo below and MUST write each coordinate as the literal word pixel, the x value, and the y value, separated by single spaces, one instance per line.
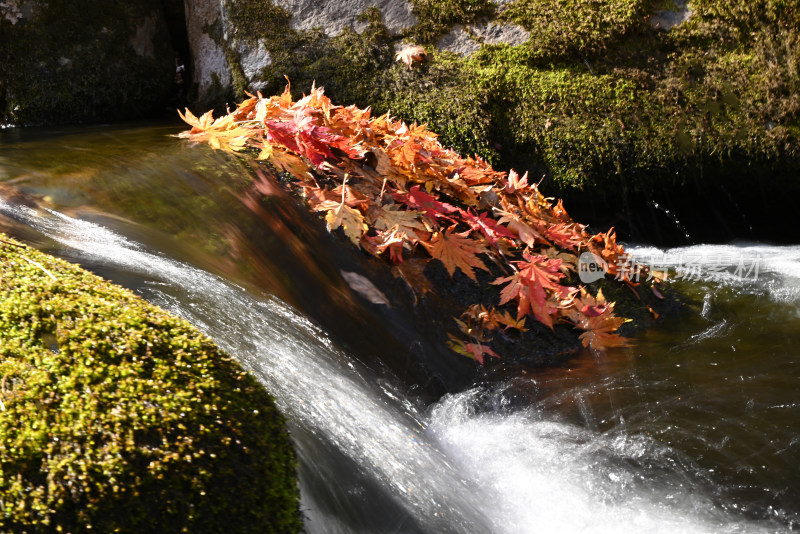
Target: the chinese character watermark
pixel 663 266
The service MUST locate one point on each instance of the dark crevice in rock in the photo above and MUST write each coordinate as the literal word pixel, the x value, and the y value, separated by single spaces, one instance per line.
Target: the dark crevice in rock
pixel 175 18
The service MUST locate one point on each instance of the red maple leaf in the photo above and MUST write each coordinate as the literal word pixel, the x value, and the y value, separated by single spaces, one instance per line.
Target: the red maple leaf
pixel 486 225
pixel 471 350
pixel 303 136
pixel 564 235
pixel 421 201
pixel 529 287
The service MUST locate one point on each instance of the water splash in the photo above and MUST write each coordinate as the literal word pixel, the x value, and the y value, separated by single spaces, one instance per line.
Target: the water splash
pixel 672 218
pixel 317 387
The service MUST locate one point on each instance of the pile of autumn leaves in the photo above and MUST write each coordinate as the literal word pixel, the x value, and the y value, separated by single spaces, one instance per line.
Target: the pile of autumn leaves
pixel 398 194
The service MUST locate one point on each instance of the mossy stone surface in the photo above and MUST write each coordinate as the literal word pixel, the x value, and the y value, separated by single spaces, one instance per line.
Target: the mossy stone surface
pixel 72 61
pixel 598 99
pixel 118 417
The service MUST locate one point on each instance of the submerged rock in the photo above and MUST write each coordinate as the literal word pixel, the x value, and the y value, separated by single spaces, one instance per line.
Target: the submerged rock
pixel 118 417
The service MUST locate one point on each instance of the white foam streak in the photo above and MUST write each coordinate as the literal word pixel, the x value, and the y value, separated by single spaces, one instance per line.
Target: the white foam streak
pixel 770 269
pixel 311 382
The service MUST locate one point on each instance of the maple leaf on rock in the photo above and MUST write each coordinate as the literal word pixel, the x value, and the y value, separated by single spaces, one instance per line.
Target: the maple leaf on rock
pixel 600 332
pixel 565 235
pixel 198 124
pixel 319 143
pixel 393 240
pixel 457 251
pixel 595 315
pixel 514 183
pixel 223 133
pixel 390 217
pixel 412 272
pixel 506 319
pixel 411 54
pixel 474 351
pixel 489 227
pixel 419 200
pixel 341 215
pixel 302 135
pixel 528 287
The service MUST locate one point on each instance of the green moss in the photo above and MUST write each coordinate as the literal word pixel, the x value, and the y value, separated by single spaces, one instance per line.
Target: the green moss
pixel 596 98
pixel 258 19
pixel 240 87
pixel 437 17
pixel 561 28
pixel 118 417
pixel 73 61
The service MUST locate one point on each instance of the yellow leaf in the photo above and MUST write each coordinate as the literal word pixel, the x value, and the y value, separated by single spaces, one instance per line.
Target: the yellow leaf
pixel 351 221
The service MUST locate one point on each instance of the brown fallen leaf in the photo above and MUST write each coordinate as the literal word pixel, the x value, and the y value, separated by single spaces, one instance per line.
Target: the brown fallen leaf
pixel 457 250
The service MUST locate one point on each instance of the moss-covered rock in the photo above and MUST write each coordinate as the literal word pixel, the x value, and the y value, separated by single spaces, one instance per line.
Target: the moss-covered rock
pixel 604 95
pixel 118 417
pixel 78 61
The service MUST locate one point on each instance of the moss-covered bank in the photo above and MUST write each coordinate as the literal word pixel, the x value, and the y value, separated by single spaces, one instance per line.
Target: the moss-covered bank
pixel 118 417
pixel 598 99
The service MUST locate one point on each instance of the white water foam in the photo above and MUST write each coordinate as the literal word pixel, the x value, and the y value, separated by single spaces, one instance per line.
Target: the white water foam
pixel 548 476
pixel 315 386
pixel 770 269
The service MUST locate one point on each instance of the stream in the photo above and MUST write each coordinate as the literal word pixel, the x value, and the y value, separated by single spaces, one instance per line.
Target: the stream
pixel 696 428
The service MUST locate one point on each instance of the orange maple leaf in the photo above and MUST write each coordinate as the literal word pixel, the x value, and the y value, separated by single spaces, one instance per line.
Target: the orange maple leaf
pixel 565 235
pixel 457 251
pixel 595 315
pixel 600 332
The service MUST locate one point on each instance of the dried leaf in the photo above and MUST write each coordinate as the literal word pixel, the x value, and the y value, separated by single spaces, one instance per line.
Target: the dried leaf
pixel 349 219
pixel 411 54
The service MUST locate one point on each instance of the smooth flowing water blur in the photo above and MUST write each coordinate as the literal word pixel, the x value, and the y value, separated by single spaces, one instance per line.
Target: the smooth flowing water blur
pixel 695 429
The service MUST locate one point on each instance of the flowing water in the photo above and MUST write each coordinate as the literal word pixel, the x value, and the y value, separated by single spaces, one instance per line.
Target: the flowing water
pixel 695 429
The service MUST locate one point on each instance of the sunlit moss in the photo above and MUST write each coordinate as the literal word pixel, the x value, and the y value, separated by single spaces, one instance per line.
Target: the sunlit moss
pixel 437 17
pixel 576 27
pixel 119 417
pixel 597 97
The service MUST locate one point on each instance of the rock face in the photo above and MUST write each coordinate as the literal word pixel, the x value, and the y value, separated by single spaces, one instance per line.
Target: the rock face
pixel 669 18
pixel 211 73
pixel 83 61
pixel 334 16
pixel 230 51
pixel 465 41
pixel 613 95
